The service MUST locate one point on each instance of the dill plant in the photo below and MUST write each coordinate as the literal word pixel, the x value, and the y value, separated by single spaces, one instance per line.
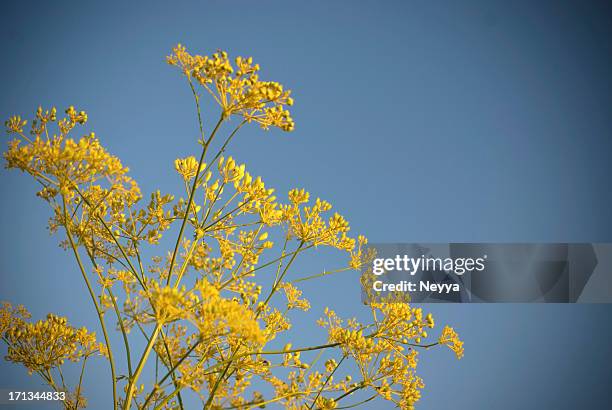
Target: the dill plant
pixel 202 311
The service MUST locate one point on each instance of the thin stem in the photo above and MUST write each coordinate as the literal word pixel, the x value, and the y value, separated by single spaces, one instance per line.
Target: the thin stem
pixel 280 278
pixel 195 182
pixel 172 370
pixel 359 403
pixel 140 367
pixel 110 231
pixel 320 275
pixel 78 390
pixel 123 332
pixel 302 349
pixel 59 370
pixel 185 264
pixel 280 262
pixel 95 302
pixel 262 404
pixel 211 396
pixel 210 225
pixel 189 202
pixel 174 382
pixel 119 318
pixel 229 361
pixel 223 147
pixel 326 381
pixel 351 391
pixel 206 144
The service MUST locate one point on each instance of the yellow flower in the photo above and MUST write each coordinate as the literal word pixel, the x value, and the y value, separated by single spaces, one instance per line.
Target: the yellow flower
pixel 15 124
pixel 187 167
pixel 451 339
pixel 45 344
pixel 213 299
pixel 293 297
pixel 169 304
pixel 325 403
pixel 238 91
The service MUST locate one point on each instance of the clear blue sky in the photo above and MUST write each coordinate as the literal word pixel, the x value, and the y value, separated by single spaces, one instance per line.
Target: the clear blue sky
pixel 421 121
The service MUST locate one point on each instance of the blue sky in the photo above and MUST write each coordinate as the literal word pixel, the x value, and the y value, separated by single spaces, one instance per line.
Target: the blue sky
pixel 420 121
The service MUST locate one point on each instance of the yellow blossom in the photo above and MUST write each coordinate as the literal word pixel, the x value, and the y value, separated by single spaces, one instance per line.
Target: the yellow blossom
pixel 210 307
pixel 238 91
pixel 187 167
pixel 451 339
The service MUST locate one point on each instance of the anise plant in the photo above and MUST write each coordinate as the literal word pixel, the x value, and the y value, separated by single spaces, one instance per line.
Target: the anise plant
pixel 205 317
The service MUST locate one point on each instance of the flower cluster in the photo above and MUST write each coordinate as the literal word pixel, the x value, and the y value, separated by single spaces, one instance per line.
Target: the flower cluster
pixel 208 309
pixel 237 89
pixel 81 179
pixel 451 339
pixel 45 344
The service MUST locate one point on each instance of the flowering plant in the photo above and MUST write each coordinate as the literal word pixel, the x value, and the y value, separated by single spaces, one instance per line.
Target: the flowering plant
pixel 202 311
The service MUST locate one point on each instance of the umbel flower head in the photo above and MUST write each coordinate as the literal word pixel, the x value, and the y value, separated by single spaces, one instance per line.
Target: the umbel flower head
pixel 213 309
pixel 451 339
pixel 45 344
pixel 237 87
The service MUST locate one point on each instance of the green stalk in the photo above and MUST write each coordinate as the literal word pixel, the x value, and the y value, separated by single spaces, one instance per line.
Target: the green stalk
pixel 140 367
pixel 143 359
pixel 195 180
pixel 119 319
pixel 230 360
pixel 110 231
pixel 280 278
pixel 95 302
pixel 172 370
pixel 78 390
pixel 326 381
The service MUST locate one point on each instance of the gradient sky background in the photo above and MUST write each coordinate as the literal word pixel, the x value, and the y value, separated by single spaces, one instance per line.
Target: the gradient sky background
pixel 421 121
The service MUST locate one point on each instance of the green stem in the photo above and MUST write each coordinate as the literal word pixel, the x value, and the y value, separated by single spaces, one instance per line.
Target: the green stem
pixel 174 382
pixel 140 367
pixel 351 391
pixel 211 396
pixel 185 264
pixel 194 185
pixel 95 302
pixel 153 337
pixel 78 390
pixel 223 147
pixel 350 406
pixel 302 349
pixel 280 278
pixel 172 370
pixel 115 240
pixel 320 275
pixel 326 381
pixel 119 318
pixel 230 360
